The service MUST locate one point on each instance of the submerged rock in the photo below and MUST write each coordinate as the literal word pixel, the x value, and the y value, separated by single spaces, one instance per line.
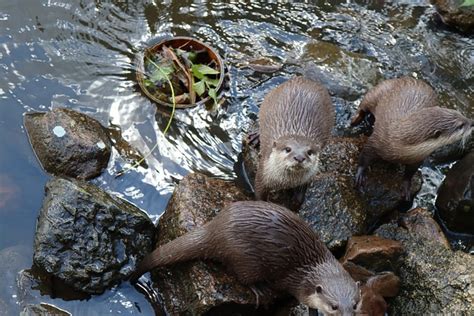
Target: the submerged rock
pixel 43 309
pixel 434 279
pixel 333 206
pixel 456 13
pixel 455 201
pixel 68 143
pixel 194 287
pixel 88 239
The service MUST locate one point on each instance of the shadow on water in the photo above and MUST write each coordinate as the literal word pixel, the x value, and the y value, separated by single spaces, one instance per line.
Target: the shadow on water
pixel 79 54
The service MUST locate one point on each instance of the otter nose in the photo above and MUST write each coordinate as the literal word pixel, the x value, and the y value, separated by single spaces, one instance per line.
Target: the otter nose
pixel 299 158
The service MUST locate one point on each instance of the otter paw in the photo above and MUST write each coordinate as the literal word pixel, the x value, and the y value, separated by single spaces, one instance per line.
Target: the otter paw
pixel 360 178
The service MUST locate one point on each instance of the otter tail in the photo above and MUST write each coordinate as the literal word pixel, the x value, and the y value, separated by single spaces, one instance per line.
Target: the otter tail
pixel 191 245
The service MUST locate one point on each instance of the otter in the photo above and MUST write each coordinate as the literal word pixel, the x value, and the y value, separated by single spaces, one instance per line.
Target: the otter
pixel 296 119
pixel 409 126
pixel 267 245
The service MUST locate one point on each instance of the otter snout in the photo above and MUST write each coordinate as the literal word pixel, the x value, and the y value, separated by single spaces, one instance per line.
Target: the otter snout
pixel 299 158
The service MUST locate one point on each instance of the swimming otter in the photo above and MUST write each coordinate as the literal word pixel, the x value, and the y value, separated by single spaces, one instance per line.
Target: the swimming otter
pixel 296 120
pixel 266 244
pixel 409 126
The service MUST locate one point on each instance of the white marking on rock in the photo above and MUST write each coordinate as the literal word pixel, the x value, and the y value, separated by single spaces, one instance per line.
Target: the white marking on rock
pixel 59 131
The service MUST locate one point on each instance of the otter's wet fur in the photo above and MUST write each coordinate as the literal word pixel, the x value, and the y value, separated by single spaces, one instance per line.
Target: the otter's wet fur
pixel 264 243
pixel 296 119
pixel 409 126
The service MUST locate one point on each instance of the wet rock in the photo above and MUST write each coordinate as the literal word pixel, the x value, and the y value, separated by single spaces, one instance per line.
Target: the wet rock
pixel 374 292
pixel 88 239
pixel 43 309
pixel 68 143
pixel 357 272
pixel 264 65
pixel 332 206
pixel 195 287
pixel 373 252
pixel 455 201
pixel 434 279
pixel 452 152
pixel 456 13
pixel 420 222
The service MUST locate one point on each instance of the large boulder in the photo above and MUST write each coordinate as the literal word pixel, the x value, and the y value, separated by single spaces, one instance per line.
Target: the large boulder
pixel 68 143
pixel 455 201
pixel 434 279
pixel 456 13
pixel 193 288
pixel 333 206
pixel 88 239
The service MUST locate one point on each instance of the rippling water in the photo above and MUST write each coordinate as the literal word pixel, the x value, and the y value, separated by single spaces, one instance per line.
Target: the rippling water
pixel 79 54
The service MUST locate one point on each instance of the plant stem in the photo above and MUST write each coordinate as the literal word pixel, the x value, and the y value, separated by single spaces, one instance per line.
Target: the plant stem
pixel 136 164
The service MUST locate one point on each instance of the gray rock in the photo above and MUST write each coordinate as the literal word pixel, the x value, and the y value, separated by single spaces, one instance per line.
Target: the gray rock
pixel 43 309
pixel 332 206
pixel 434 279
pixel 453 13
pixel 88 239
pixel 193 288
pixel 455 201
pixel 68 143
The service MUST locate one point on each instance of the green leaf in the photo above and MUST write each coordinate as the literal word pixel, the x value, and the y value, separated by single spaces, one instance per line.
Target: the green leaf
pixel 199 87
pixel 467 3
pixel 200 70
pixel 212 94
pixel 161 74
pixel 211 82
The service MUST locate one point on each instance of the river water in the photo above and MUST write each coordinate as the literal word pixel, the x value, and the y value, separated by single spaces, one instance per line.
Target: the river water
pixel 79 54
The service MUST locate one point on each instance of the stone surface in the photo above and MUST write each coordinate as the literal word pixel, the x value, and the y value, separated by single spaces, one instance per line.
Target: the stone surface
pixel 333 206
pixel 193 288
pixel 434 279
pixel 88 239
pixel 454 13
pixel 455 201
pixel 43 309
pixel 374 253
pixel 68 143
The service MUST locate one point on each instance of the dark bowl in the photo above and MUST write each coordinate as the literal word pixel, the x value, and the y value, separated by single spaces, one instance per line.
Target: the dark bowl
pixel 184 43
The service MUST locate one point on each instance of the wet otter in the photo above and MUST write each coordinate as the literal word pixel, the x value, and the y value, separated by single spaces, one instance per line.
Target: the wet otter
pixel 409 126
pixel 266 244
pixel 296 120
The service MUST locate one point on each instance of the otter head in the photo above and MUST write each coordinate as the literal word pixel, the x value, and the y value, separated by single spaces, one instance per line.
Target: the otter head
pixel 331 290
pixel 429 129
pixel 296 153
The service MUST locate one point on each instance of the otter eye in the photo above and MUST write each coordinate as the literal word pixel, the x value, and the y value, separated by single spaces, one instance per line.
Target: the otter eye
pixel 355 306
pixel 334 307
pixel 437 134
pixel 310 152
pixel 460 127
pixel 287 149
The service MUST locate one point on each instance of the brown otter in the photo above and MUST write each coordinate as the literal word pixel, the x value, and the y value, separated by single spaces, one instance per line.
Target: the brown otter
pixel 266 244
pixel 296 120
pixel 409 126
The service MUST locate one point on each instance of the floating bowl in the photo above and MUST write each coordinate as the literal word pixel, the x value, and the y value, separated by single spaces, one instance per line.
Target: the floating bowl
pixel 187 44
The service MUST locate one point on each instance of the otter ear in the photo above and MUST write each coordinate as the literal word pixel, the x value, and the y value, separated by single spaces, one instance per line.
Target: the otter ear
pixel 319 289
pixel 436 134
